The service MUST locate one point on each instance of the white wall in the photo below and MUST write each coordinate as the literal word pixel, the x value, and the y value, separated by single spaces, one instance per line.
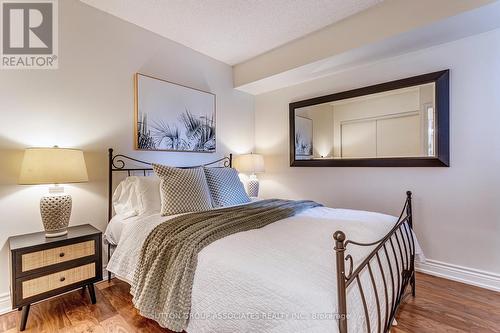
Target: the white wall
pixel 88 103
pixel 457 210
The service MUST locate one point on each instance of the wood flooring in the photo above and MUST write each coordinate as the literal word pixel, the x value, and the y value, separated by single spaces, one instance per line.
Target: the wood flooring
pixel 440 306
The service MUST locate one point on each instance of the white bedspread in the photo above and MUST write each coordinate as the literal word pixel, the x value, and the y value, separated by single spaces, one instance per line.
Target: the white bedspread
pixel 281 278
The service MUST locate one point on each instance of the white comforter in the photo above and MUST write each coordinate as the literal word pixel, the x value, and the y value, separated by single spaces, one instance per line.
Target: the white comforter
pixel 281 278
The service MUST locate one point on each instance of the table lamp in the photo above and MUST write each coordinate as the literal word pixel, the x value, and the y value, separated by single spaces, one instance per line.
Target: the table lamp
pixel 54 166
pixel 251 164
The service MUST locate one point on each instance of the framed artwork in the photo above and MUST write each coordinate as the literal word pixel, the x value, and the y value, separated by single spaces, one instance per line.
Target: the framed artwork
pixel 172 117
pixel 303 137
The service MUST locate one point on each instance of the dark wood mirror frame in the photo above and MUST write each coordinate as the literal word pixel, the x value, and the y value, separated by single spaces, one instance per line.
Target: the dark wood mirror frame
pixel 442 102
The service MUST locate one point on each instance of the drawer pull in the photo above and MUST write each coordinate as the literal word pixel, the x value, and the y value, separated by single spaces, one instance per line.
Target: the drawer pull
pixel 62 279
pixel 61 254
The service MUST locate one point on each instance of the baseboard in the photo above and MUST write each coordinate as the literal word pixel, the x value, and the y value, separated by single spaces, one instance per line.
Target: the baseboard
pixel 5 304
pixel 462 274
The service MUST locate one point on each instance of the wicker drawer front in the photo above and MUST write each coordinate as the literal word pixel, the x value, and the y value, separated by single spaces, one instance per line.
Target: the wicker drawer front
pixel 57 280
pixel 56 255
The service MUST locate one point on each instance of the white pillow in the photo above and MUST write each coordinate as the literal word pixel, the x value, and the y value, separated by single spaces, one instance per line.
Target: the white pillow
pixel 125 199
pixel 148 193
pixel 137 195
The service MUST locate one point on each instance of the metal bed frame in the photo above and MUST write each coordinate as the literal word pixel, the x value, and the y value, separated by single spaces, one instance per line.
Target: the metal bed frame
pixel 402 277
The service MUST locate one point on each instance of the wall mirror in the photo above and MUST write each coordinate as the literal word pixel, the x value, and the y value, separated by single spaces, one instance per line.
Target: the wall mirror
pixel 397 123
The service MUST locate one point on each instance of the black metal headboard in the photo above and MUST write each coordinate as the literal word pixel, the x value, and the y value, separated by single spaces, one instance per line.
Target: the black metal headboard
pixel 120 163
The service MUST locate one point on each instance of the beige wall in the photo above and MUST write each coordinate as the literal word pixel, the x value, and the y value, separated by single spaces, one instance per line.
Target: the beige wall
pixel 88 103
pixel 457 215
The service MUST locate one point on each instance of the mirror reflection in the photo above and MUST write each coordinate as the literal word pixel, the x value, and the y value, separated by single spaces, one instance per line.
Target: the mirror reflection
pixel 396 123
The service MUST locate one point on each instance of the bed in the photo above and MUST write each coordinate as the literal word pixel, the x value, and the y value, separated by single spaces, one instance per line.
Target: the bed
pixel 299 274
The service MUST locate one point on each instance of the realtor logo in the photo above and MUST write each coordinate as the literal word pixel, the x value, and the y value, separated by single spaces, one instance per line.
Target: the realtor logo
pixel 29 34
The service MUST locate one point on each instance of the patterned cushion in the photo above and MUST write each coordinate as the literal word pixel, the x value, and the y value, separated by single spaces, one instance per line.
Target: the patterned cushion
pixel 182 190
pixel 225 187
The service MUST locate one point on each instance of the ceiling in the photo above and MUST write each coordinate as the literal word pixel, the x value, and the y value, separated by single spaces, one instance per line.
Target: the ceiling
pixel 232 31
pixel 468 23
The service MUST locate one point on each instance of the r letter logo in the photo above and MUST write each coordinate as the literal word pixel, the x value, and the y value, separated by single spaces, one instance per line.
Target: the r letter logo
pixel 29 34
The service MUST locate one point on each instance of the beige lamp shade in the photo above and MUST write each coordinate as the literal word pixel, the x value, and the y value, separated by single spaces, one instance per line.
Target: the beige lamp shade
pixel 53 166
pixel 250 163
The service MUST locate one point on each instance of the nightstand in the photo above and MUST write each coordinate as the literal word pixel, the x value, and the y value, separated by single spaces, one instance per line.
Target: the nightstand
pixel 45 267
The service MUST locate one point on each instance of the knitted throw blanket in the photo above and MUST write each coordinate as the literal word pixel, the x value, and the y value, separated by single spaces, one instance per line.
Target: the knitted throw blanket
pixel 163 280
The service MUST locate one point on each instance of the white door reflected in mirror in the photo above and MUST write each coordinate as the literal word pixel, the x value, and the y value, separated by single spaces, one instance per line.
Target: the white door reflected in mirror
pixel 390 124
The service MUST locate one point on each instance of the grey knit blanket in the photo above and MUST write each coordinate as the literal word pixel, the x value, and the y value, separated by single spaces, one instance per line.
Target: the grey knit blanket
pixel 163 280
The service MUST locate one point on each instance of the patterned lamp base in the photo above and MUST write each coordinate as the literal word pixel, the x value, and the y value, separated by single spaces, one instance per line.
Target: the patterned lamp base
pixel 253 186
pixel 55 211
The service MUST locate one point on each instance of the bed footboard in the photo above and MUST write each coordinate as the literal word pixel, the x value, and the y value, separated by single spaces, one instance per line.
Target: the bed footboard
pixel 398 243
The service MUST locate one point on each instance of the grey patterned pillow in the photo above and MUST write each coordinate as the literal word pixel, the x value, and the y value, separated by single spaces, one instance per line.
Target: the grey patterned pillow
pixel 225 187
pixel 182 190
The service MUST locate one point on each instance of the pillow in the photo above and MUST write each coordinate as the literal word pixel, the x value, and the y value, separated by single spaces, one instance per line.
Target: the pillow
pixel 182 190
pixel 137 195
pixel 225 187
pixel 148 193
pixel 125 199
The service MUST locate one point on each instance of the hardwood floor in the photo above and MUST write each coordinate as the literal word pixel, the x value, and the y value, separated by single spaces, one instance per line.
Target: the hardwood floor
pixel 440 306
pixel 446 306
